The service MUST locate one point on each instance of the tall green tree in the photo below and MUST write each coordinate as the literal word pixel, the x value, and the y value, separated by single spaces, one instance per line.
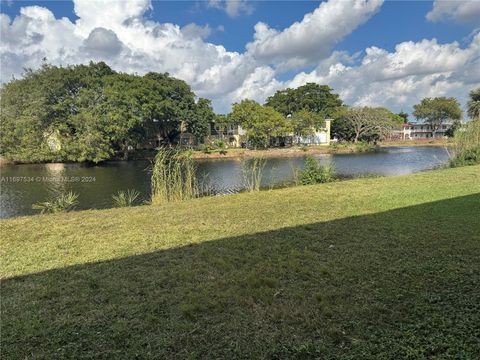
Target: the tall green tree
pixel 305 123
pixel 91 113
pixel 404 116
pixel 436 111
pixel 474 104
pixel 260 122
pixel 369 122
pixel 319 99
pixel 199 120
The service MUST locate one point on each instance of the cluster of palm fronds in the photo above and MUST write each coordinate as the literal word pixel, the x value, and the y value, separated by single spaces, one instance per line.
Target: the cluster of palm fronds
pixel 125 198
pixel 59 203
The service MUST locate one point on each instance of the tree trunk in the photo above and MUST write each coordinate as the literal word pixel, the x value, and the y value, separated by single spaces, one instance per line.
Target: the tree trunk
pixel 357 135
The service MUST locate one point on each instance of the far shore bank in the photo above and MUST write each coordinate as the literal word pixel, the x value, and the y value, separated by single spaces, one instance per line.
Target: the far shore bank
pixel 294 151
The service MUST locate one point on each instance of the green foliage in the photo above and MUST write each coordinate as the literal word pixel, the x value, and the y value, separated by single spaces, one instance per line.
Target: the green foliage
pixel 315 173
pixel 305 123
pixel 311 97
pixel 91 113
pixel 173 176
pixel 435 111
pixel 252 173
pixel 260 122
pixel 200 118
pixel 466 145
pixel 366 123
pixel 364 146
pixel 404 116
pixel 60 203
pixel 125 198
pixel 474 104
pixel 341 129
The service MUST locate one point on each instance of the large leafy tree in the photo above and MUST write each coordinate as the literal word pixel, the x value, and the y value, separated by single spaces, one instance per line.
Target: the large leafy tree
pixel 200 118
pixel 260 122
pixel 43 106
pixel 305 123
pixel 435 111
pixel 474 104
pixel 91 113
pixel 367 122
pixel 319 99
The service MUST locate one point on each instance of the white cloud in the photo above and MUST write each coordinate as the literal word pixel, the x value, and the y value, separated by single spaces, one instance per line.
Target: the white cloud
pixel 233 8
pixel 313 38
pixel 102 43
pixel 193 30
pixel 129 41
pixel 460 11
pixel 401 78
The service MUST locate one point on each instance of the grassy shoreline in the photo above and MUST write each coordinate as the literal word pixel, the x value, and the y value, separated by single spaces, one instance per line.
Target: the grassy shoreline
pixel 381 267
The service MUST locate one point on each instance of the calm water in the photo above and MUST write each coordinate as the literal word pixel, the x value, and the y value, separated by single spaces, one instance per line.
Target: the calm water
pixel 23 185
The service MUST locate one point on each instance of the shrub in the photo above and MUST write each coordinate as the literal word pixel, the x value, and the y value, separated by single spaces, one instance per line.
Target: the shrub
pixel 207 148
pixel 466 145
pixel 62 203
pixel 125 198
pixel 364 146
pixel 315 173
pixel 173 176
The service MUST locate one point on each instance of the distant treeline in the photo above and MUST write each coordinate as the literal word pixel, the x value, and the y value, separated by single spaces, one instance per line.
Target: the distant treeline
pixel 92 113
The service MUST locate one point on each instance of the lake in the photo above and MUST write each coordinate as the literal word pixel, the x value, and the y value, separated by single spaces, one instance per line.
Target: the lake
pixel 23 185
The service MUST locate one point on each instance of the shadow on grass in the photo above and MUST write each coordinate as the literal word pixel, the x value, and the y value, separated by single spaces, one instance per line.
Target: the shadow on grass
pixel 398 284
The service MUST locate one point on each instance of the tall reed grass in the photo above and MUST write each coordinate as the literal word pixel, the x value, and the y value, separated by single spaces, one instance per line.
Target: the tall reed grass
pixel 252 170
pixel 465 149
pixel 173 176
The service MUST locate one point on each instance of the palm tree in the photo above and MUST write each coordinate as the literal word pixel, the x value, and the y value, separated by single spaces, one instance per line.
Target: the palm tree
pixel 474 104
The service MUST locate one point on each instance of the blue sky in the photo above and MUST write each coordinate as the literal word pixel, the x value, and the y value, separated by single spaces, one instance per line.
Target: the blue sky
pixel 256 68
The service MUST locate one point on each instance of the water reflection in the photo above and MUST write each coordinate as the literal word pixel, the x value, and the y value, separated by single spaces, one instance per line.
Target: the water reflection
pixel 97 184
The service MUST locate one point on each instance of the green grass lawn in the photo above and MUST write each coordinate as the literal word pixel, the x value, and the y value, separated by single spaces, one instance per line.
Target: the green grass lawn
pixel 368 268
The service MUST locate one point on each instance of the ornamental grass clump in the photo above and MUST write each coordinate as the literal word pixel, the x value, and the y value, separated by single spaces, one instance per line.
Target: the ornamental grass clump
pixel 173 176
pixel 252 170
pixel 61 203
pixel 125 198
pixel 466 145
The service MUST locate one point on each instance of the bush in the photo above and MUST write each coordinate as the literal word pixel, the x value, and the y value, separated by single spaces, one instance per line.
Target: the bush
pixel 62 203
pixel 315 173
pixel 466 145
pixel 207 148
pixel 125 198
pixel 364 146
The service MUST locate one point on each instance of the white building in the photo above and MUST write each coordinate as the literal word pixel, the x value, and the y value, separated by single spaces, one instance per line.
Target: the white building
pixel 423 131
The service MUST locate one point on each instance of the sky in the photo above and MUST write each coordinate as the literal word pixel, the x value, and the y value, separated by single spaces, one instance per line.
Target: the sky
pixel 371 52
